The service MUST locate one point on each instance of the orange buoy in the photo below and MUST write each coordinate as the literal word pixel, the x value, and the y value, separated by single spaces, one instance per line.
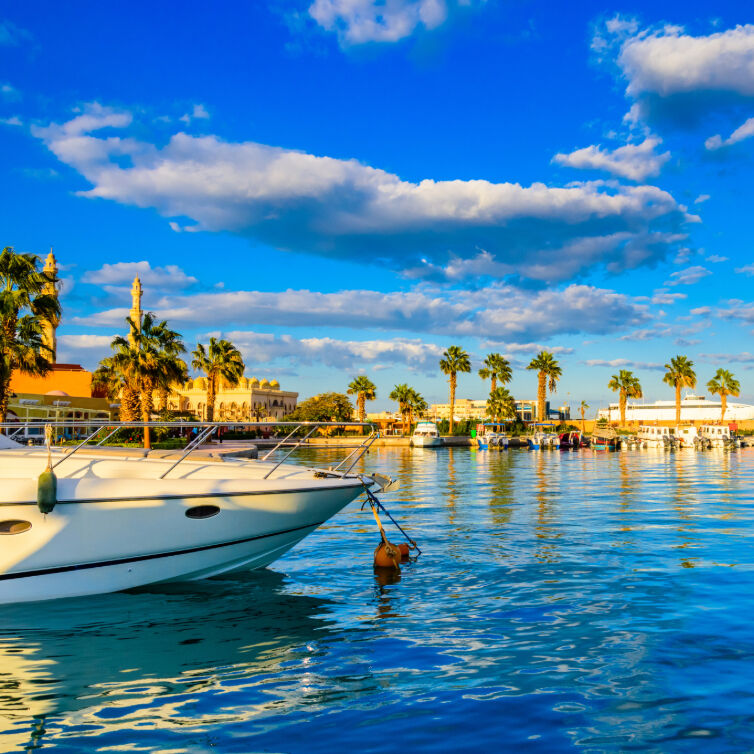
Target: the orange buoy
pixel 404 550
pixel 387 555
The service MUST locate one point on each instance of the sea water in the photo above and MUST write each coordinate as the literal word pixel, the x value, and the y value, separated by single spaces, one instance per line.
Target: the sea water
pixel 563 601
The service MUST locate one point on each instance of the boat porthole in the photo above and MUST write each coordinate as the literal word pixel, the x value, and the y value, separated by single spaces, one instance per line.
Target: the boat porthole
pixel 14 527
pixel 202 511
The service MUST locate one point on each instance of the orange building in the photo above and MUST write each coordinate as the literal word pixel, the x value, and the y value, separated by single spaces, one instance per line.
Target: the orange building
pixel 70 379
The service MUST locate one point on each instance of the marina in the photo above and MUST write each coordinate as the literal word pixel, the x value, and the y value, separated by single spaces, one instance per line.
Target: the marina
pixel 535 618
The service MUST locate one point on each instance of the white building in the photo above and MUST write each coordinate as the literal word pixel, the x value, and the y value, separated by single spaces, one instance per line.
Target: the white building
pixel 694 408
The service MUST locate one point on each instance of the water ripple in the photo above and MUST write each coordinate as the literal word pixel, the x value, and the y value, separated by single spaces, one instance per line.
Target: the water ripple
pixel 564 601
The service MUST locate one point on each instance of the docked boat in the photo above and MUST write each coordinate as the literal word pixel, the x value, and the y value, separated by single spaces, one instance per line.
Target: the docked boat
pixel 719 436
pixel 605 438
pixel 487 437
pixel 113 521
pixel 535 441
pixel 688 436
pixel 426 435
pixel 656 437
pixel 571 440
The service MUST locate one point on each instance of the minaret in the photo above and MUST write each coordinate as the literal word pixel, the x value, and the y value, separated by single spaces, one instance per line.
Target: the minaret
pixel 50 326
pixel 135 313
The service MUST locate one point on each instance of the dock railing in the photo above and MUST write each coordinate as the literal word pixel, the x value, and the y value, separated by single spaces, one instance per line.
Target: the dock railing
pixel 95 434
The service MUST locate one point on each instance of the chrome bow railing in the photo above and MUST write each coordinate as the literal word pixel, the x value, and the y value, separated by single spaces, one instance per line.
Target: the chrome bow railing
pixel 95 434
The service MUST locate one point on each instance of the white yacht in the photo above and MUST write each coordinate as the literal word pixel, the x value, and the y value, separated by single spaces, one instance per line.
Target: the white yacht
pixel 694 408
pixel 426 435
pixel 118 522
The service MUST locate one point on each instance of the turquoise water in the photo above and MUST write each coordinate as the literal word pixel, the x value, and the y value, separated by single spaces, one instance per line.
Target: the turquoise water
pixel 564 602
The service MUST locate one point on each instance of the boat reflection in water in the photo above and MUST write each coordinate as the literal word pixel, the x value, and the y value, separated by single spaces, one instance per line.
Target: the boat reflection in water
pixel 140 661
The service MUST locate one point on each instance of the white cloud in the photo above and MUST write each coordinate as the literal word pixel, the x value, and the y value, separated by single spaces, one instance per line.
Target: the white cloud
pixel 344 209
pixel 689 276
pixel 339 354
pixel 198 113
pixel 622 363
pixel 744 131
pixel 715 259
pixel 83 349
pixel 14 120
pixel 701 198
pixel 360 21
pixel 9 92
pixel 532 348
pixel 747 269
pixel 663 298
pixel 500 313
pixel 672 74
pixel 122 273
pixel 742 357
pixel 633 161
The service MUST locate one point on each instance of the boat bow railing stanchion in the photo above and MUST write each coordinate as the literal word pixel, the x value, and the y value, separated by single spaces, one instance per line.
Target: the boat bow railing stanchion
pixel 290 452
pixel 89 438
pixel 192 446
pixel 364 447
pixel 284 440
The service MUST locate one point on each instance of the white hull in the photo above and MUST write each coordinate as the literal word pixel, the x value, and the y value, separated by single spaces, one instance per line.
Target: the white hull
pixel 116 528
pixel 426 442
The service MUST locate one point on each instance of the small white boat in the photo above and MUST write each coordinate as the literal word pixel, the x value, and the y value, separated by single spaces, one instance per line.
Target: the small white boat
pixel 656 437
pixel 120 522
pixel 426 435
pixel 688 436
pixel 719 436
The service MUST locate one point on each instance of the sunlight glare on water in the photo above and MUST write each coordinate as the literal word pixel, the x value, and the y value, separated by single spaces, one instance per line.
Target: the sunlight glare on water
pixel 564 601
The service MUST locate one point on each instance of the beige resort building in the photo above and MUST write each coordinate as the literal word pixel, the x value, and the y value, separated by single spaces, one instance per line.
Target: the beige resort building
pixel 250 400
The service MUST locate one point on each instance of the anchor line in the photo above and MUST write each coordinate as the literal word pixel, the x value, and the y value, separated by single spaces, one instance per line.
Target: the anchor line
pixel 375 503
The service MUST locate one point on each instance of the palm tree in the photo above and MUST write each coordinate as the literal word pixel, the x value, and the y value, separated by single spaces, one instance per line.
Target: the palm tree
pixel 496 368
pixel 171 368
pixel 403 395
pixel 680 374
pixel 107 378
pixel 501 405
pixel 583 406
pixel 220 360
pixel 364 390
pixel 417 405
pixel 25 307
pixel 723 384
pixel 547 368
pixel 627 385
pixel 454 360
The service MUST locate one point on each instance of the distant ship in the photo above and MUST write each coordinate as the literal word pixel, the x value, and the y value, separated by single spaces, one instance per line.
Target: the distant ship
pixel 693 408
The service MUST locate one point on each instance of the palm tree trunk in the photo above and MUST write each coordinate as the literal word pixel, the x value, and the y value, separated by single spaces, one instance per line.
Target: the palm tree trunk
pixel 583 425
pixel 723 406
pixel 129 404
pixel 4 397
pixel 622 400
pixel 494 384
pixel 452 381
pixel 146 410
pixel 164 392
pixel 541 395
pixel 210 399
pixel 678 403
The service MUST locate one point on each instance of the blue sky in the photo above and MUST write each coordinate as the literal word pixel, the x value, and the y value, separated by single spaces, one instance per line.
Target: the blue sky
pixel 347 186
